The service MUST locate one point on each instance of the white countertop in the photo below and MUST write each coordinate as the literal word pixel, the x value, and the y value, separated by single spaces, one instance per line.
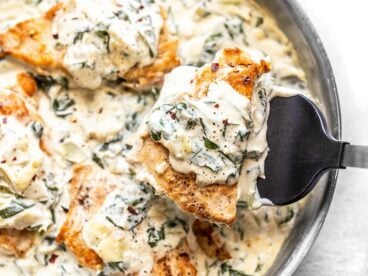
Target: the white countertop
pixel 342 246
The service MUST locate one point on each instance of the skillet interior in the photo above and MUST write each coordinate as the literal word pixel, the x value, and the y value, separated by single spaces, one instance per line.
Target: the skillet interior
pixel 313 59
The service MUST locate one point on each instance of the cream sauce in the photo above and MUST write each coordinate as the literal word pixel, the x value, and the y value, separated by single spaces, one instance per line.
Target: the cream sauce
pixel 95 127
pixel 104 39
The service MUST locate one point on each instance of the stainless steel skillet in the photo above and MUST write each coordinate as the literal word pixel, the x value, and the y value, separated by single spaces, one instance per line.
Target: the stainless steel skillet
pixel 313 59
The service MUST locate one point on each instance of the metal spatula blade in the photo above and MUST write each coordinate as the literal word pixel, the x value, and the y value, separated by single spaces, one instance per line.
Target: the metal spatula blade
pixel 301 150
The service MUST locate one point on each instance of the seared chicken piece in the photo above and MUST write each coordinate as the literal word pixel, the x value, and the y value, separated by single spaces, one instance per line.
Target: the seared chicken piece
pixel 13 241
pixel 214 202
pixel 208 240
pixel 33 42
pixel 88 190
pixel 16 242
pixel 176 262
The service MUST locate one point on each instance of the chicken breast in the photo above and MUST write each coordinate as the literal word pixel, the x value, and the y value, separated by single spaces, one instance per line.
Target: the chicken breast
pixel 214 202
pixel 33 42
pixel 176 262
pixel 13 241
pixel 88 190
pixel 16 242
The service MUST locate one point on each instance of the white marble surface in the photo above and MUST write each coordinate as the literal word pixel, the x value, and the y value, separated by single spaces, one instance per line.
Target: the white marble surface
pixel 342 246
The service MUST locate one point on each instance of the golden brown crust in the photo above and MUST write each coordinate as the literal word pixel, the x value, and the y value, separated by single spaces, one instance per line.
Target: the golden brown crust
pixel 12 104
pixel 27 41
pixel 88 190
pixel 235 67
pixel 27 83
pixel 16 242
pixel 212 202
pixel 208 240
pixel 175 263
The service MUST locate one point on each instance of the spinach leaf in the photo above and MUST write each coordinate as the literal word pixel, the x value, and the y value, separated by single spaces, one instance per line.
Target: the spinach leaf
pixel 156 136
pixel 209 144
pixel 46 82
pixel 227 269
pixel 119 266
pixel 62 105
pixel 154 236
pixel 98 160
pixel 289 216
pixel 37 129
pixel 15 208
pixel 105 36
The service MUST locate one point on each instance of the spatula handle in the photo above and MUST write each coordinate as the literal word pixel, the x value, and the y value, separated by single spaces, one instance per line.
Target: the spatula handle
pixel 355 156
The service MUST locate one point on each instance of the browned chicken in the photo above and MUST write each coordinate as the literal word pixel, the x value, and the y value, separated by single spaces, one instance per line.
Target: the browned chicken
pixel 31 41
pixel 216 203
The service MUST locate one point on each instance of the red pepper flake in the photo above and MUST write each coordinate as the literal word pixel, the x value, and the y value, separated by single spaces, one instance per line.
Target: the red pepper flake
pixel 3 161
pixel 34 177
pixel 55 36
pixel 53 258
pixel 217 105
pixel 246 80
pixel 172 115
pixel 132 210
pixel 14 158
pixel 215 67
pixel 5 120
pixel 225 122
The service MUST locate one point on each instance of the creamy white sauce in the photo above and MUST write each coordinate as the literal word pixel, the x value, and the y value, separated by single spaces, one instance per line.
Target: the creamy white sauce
pixel 208 136
pixel 96 126
pixel 104 39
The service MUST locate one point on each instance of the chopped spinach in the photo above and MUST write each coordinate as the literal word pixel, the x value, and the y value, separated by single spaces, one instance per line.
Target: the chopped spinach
pixel 227 269
pixel 46 82
pixel 118 266
pixel 113 223
pixel 289 216
pixel 154 236
pixel 259 21
pixel 209 144
pixel 79 36
pixel 37 129
pixel 62 105
pixel 98 160
pixel 15 207
pixel 156 136
pixel 255 155
pixel 105 36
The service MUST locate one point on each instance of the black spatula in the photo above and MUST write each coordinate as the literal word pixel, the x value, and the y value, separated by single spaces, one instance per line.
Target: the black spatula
pixel 301 150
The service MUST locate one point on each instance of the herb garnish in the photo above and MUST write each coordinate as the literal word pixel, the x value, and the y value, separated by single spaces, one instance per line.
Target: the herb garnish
pixel 60 106
pixel 105 36
pixel 154 236
pixel 119 266
pixel 15 208
pixel 228 269
pixel 97 160
pixel 37 129
pixel 209 144
pixel 289 216
pixel 156 136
